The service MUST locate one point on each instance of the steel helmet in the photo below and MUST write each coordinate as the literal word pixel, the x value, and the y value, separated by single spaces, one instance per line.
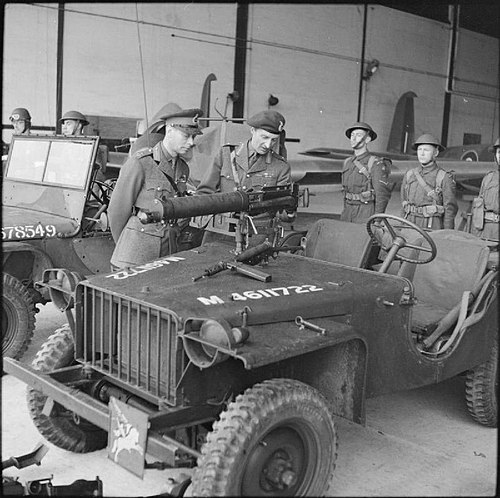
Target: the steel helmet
pixel 361 126
pixel 495 145
pixel 427 138
pixel 20 113
pixel 75 115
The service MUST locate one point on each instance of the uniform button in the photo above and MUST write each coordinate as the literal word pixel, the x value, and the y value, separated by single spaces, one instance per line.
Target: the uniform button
pixel 158 188
pixel 244 188
pixel 248 176
pixel 142 229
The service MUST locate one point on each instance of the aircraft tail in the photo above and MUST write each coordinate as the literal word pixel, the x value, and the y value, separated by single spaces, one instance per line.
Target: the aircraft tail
pixel 402 133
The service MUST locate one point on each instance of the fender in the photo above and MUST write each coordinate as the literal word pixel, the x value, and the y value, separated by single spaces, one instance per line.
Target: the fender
pixel 41 261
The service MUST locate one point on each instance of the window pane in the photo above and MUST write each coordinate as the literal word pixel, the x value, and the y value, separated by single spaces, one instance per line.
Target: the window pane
pixel 68 163
pixel 27 160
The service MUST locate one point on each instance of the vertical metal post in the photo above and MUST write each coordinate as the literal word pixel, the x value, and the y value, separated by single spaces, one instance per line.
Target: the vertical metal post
pixel 59 69
pixel 455 11
pixel 240 58
pixel 362 65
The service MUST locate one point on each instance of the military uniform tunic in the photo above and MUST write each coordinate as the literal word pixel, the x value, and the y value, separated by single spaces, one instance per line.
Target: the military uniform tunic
pixel 236 167
pixel 436 209
pixel 365 196
pixel 142 179
pixel 489 207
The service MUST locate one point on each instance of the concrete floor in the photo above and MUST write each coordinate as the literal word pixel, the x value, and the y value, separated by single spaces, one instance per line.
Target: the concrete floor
pixel 416 443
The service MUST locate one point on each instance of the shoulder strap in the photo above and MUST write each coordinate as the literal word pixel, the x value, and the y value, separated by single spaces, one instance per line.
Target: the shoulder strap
pixel 440 177
pixel 362 169
pixel 232 155
pixel 422 182
pixel 371 162
pixel 172 182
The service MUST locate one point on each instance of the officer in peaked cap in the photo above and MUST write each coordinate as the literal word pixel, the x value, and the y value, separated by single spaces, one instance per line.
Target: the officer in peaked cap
pixel 73 123
pixel 365 177
pixel 428 192
pixel 150 138
pixel 252 164
pixel 485 207
pixel 21 121
pixel 149 174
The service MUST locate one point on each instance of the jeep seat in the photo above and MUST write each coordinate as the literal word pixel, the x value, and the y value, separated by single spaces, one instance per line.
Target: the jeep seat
pixel 339 242
pixel 459 265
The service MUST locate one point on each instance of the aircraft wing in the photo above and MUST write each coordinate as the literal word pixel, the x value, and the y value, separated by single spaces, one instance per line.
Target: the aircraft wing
pixel 322 171
pixel 333 153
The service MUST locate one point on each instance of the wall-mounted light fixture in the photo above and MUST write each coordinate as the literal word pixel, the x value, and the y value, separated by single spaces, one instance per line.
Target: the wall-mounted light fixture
pixel 370 69
pixel 272 100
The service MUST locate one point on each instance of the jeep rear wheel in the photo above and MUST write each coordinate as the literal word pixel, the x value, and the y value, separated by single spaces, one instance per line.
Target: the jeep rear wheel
pixel 481 390
pixel 18 317
pixel 62 427
pixel 278 438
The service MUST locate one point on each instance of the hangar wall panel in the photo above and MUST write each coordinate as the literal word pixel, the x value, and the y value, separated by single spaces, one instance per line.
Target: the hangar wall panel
pixel 306 55
pixel 308 58
pixel 413 55
pixel 29 62
pixel 178 52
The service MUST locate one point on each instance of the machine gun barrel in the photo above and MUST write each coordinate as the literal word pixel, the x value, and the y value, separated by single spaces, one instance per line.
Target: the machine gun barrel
pixel 267 199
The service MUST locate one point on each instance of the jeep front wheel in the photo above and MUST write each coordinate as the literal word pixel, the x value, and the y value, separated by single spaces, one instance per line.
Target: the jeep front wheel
pixel 18 317
pixel 481 390
pixel 278 438
pixel 62 427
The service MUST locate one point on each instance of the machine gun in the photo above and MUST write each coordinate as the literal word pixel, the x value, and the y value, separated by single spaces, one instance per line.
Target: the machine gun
pixel 269 200
pixel 251 256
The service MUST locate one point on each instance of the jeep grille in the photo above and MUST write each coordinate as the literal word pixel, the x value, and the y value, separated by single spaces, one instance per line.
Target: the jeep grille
pixel 134 343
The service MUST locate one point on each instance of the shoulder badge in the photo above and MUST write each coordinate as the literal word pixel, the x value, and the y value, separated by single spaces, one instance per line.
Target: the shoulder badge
pixel 277 156
pixel 147 151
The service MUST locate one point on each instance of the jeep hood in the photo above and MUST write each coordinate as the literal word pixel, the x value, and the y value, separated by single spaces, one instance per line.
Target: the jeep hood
pixel 299 286
pixel 20 223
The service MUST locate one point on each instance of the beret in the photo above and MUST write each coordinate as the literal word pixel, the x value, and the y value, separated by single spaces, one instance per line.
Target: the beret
pixel 270 121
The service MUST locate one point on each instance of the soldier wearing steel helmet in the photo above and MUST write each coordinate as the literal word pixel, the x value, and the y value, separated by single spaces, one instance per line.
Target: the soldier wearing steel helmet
pixel 149 174
pixel 485 208
pixel 73 123
pixel 252 164
pixel 21 121
pixel 428 192
pixel 365 177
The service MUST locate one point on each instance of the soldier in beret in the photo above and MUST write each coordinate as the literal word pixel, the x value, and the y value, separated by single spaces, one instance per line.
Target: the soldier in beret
pixel 428 192
pixel 21 121
pixel 152 173
pixel 365 177
pixel 249 165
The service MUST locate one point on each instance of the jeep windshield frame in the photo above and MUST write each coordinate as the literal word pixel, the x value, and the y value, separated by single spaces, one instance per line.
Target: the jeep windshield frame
pixel 49 174
pixel 51 160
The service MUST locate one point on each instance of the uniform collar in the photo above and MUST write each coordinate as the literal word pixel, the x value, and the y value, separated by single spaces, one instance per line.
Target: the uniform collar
pixel 427 169
pixel 361 157
pixel 159 152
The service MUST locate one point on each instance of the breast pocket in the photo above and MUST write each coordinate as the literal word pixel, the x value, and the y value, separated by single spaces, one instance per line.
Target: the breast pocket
pixel 159 189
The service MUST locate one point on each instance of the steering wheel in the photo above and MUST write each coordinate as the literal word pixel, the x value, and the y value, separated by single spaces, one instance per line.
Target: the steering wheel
pixel 398 242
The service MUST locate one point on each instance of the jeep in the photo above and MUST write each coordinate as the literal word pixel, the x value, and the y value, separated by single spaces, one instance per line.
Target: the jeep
pixel 235 364
pixel 53 215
